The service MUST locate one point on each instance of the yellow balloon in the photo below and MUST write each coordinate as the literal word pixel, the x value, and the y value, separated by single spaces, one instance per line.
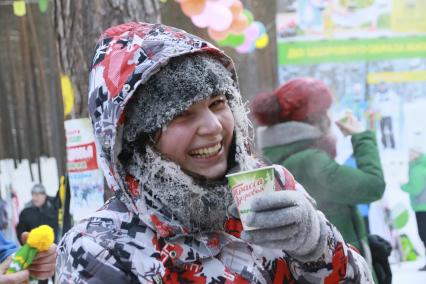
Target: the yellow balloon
pixel 19 8
pixel 262 41
pixel 67 94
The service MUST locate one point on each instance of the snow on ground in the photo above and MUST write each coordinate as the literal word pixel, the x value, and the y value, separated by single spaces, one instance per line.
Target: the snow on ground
pixel 408 272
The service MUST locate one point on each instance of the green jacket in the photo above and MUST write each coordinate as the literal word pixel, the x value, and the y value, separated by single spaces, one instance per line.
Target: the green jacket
pixel 336 188
pixel 416 185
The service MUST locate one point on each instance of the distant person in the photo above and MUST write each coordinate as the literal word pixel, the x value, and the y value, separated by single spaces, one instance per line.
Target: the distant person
pixel 84 196
pixel 42 210
pixel 386 104
pixel 416 188
pixel 296 134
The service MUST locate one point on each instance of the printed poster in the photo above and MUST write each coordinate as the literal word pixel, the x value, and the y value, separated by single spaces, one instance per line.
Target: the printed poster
pixel 85 177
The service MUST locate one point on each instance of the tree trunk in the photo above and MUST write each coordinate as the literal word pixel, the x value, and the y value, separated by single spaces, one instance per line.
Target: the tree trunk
pixel 31 118
pixel 257 71
pixel 79 23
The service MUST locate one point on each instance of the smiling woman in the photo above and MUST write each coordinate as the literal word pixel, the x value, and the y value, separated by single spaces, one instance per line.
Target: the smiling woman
pixel 204 133
pixel 203 123
pixel 170 124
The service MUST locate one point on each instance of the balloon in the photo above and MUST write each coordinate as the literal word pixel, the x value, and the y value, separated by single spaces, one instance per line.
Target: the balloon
pixel 239 23
pixel 226 3
pixel 220 17
pixel 19 8
pixel 221 43
pixel 236 8
pixel 42 5
pixel 217 35
pixel 246 47
pixel 233 40
pixel 261 27
pixel 200 20
pixel 251 32
pixel 193 7
pixel 249 15
pixel 262 42
pixel 67 94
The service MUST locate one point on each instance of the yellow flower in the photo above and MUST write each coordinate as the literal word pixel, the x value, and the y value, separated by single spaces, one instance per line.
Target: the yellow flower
pixel 41 238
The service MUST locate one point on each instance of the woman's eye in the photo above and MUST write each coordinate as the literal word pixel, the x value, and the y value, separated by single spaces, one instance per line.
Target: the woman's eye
pixel 218 103
pixel 184 116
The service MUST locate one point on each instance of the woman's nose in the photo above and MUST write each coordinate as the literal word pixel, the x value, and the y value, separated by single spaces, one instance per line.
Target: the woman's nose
pixel 209 123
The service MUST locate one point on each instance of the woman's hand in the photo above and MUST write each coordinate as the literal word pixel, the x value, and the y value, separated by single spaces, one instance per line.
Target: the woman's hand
pixel 14 278
pixel 350 125
pixel 287 220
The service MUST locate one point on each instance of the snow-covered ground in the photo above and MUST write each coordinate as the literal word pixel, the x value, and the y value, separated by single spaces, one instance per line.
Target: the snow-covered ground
pixel 408 272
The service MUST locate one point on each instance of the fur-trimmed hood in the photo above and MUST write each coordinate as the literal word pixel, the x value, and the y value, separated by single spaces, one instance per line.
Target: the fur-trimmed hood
pixel 126 57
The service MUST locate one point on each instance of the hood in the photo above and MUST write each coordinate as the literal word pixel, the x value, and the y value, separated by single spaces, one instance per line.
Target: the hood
pixel 280 141
pixel 126 57
pixel 286 133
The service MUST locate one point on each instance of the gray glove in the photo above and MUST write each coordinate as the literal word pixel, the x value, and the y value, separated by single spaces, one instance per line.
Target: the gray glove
pixel 287 220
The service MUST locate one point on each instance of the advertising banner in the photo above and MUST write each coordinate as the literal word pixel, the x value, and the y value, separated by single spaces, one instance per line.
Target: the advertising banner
pixel 85 178
pixel 344 50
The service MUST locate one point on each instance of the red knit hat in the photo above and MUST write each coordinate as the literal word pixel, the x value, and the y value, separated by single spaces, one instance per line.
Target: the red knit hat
pixel 300 99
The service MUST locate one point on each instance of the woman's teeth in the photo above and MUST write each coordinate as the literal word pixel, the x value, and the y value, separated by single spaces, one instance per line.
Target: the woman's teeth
pixel 206 152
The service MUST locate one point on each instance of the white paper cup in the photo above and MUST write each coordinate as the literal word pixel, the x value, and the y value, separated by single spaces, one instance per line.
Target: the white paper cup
pixel 245 185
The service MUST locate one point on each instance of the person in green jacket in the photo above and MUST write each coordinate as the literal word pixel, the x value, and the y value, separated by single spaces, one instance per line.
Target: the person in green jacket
pixel 296 133
pixel 416 188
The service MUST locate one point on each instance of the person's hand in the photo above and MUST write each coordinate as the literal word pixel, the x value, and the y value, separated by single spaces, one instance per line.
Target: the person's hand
pixel 43 265
pixel 349 125
pixel 14 278
pixel 287 220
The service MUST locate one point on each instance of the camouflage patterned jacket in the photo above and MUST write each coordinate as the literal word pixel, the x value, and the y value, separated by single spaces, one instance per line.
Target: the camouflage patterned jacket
pixel 130 240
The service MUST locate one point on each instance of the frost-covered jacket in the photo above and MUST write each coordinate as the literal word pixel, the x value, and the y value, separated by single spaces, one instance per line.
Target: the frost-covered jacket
pixel 115 246
pixel 131 241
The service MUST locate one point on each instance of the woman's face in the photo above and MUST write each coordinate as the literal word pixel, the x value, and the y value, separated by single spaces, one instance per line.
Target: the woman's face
pixel 199 140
